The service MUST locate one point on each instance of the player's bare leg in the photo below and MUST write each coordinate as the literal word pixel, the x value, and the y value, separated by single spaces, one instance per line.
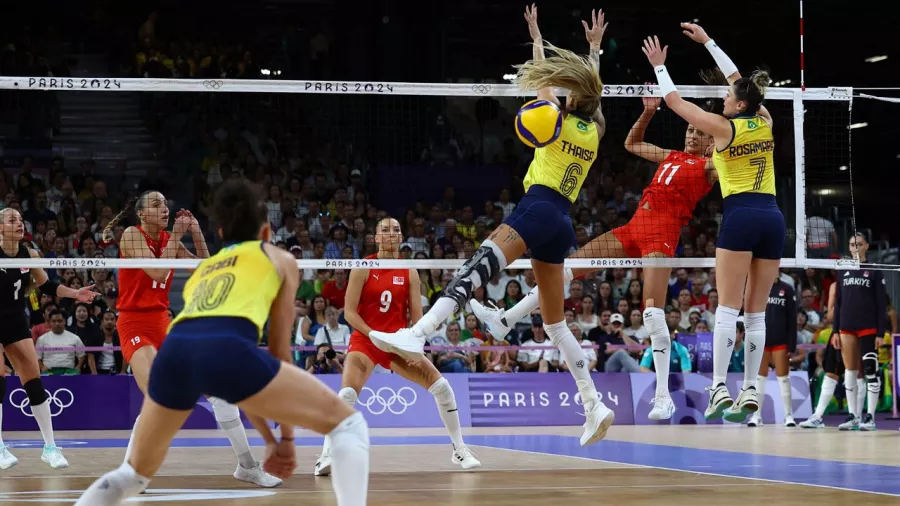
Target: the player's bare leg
pixel 141 362
pixel 426 375
pixel 358 368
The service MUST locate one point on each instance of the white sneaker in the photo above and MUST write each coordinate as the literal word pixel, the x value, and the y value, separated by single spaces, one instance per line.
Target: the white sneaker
pixel 868 423
pixel 813 422
pixel 789 421
pixel 465 458
pixel 7 459
pixel 719 401
pixel 257 476
pixel 755 420
pixel 404 342
pixel 599 419
pixel 852 423
pixel 54 457
pixel 323 464
pixel 663 408
pixel 746 403
pixel 491 317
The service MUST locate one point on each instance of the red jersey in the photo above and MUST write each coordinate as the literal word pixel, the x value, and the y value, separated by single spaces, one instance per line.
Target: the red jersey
pixel 384 301
pixel 334 295
pixel 137 290
pixel 679 184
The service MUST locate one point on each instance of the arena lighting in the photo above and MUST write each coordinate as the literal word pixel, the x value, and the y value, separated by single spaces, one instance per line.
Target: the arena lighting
pixel 509 77
pixel 874 59
pixel 842 168
pixel 854 126
pixel 826 191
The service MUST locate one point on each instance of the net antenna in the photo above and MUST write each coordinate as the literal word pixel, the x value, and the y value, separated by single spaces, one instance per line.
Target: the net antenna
pixel 792 103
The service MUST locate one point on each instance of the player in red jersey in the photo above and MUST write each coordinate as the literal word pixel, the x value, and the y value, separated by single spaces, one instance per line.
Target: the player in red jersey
pixel 143 310
pixel 668 202
pixel 385 300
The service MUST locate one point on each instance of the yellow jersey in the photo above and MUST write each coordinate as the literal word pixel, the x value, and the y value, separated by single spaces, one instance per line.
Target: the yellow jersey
pixel 747 164
pixel 564 164
pixel 238 281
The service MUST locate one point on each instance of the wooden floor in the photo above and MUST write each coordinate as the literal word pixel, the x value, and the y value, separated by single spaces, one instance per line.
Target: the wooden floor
pixel 522 467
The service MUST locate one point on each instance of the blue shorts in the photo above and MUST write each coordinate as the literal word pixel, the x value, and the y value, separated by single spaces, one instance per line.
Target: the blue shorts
pixel 753 222
pixel 216 356
pixel 542 219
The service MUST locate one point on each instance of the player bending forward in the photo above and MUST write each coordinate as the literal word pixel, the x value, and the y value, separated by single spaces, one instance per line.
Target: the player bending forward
pixel 229 300
pixel 381 299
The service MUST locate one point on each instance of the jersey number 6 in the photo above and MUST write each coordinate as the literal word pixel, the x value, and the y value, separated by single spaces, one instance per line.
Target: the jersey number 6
pixel 386 298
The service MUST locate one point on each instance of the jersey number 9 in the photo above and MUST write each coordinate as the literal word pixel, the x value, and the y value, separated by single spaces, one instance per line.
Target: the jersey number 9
pixel 386 298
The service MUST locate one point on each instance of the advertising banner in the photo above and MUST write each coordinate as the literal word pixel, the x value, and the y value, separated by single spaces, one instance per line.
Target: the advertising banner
pixel 691 398
pixel 500 400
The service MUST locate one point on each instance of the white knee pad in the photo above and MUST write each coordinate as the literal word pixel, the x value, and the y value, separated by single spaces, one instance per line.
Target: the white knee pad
pixel 655 321
pixel 349 396
pixel 558 332
pixel 442 392
pixel 224 412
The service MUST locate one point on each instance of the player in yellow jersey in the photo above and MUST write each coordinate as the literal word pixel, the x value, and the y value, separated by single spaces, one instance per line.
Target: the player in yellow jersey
pixel 752 235
pixel 229 298
pixel 540 222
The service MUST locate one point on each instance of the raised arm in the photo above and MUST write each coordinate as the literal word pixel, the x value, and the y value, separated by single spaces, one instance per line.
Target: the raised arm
pixel 531 17
pixel 696 33
pixel 634 142
pixel 196 236
pixel 594 35
pixel 54 289
pixel 355 283
pixel 713 124
pixel 134 246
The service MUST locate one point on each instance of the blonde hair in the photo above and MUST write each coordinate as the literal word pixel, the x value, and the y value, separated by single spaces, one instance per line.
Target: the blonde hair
pixel 564 69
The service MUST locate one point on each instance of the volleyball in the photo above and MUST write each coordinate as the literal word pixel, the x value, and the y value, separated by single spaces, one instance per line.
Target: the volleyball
pixel 538 123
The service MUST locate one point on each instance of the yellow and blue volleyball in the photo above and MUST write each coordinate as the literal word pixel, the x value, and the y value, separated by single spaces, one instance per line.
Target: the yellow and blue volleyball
pixel 539 123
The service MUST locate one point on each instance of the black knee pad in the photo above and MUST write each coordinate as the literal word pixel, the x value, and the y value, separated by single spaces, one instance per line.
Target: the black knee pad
pixel 869 356
pixel 34 389
pixel 485 263
pixel 832 362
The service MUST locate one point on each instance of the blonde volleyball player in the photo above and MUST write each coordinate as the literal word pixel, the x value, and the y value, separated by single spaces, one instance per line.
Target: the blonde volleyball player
pixel 541 221
pixel 752 234
pixel 667 205
pixel 144 311
pixel 381 299
pixel 229 300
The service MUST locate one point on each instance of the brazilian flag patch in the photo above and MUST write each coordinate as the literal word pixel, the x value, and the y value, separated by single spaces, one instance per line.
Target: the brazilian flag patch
pixel 751 124
pixel 582 126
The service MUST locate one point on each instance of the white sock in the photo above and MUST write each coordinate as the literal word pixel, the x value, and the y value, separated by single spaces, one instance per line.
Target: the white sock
pixel 825 395
pixel 1 423
pixel 446 404
pixel 131 440
pixel 349 396
pixel 573 354
pixel 523 308
pixel 754 346
pixel 874 393
pixel 724 335
pixel 445 307
pixel 228 416
pixel 661 347
pixel 861 391
pixel 761 392
pixel 45 423
pixel 350 461
pixel 851 387
pixel 114 487
pixel 784 383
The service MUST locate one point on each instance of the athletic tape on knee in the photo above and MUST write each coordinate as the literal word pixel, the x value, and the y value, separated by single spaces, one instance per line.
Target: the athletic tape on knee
pixel 34 389
pixel 228 415
pixel 349 396
pixel 655 321
pixel 487 261
pixel 443 392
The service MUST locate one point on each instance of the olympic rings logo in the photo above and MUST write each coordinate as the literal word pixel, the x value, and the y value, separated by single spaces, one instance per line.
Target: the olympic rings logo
pixel 213 85
pixel 59 401
pixel 483 89
pixel 386 399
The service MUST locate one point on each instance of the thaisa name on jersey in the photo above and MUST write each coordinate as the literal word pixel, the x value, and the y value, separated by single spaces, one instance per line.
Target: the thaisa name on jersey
pixel 75 263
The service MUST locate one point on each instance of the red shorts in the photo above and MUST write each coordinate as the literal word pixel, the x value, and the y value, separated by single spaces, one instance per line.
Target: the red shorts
pixel 649 232
pixel 858 333
pixel 362 344
pixel 141 328
pixel 777 347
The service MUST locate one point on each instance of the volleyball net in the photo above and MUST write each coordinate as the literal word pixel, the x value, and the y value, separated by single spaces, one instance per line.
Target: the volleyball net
pixel 333 157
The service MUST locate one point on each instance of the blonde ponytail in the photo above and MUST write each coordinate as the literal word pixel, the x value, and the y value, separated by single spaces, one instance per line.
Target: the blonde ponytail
pixel 564 69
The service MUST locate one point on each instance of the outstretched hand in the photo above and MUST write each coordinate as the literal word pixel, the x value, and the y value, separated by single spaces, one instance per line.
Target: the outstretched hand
pixel 654 52
pixel 695 32
pixel 531 17
pixel 85 294
pixel 651 103
pixel 594 33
